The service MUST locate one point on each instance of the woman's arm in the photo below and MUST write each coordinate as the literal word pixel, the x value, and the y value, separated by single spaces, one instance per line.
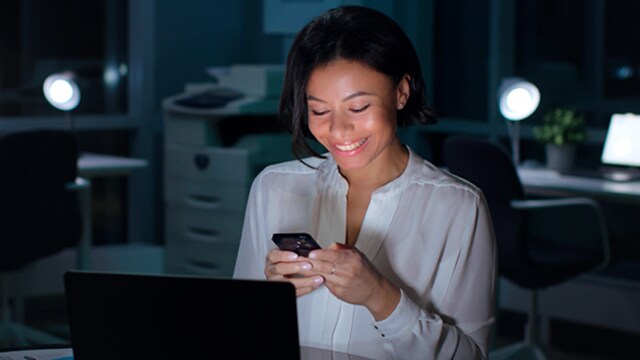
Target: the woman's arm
pixel 251 251
pixel 460 327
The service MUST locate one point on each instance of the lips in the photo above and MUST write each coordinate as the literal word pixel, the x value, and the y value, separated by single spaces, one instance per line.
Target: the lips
pixel 351 146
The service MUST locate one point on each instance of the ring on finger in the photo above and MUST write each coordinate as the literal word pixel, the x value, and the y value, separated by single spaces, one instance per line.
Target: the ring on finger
pixel 333 270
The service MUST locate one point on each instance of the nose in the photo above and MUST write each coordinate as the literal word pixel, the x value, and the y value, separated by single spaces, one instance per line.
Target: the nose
pixel 340 125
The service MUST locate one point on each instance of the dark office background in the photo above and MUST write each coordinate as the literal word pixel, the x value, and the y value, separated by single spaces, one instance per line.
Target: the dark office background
pixel 578 52
pixel 132 55
pixel 582 54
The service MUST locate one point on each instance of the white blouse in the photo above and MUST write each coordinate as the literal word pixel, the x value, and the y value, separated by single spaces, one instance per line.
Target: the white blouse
pixel 426 231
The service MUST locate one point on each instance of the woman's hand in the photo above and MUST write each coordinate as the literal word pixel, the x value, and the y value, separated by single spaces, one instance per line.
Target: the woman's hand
pixel 289 266
pixel 351 277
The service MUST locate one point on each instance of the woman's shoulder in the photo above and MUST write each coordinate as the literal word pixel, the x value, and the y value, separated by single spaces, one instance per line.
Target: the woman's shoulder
pixel 441 179
pixel 307 166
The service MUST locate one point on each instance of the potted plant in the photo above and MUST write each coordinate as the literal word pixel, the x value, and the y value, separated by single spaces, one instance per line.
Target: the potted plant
pixel 561 130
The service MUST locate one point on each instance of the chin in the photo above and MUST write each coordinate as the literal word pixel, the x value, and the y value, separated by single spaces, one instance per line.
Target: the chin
pixel 350 164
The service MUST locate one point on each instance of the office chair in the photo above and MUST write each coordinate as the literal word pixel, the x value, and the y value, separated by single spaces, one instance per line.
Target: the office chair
pixel 541 242
pixel 39 212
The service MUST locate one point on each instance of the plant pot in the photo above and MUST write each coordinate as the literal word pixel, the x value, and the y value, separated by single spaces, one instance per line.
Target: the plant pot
pixel 560 157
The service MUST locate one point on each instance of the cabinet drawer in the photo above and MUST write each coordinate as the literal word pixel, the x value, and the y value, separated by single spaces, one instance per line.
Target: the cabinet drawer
pixel 210 163
pixel 209 195
pixel 187 257
pixel 201 242
pixel 204 226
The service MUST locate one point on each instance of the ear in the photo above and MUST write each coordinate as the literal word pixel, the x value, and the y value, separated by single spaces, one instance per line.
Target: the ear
pixel 403 91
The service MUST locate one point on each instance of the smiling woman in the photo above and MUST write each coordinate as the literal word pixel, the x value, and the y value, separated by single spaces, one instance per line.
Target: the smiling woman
pixel 352 113
pixel 406 267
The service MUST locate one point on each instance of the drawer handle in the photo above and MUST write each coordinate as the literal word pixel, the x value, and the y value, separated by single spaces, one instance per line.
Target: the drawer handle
pixel 199 266
pixel 201 161
pixel 201 234
pixel 204 202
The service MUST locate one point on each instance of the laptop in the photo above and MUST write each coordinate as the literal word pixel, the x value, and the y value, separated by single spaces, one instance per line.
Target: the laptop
pixel 620 158
pixel 134 316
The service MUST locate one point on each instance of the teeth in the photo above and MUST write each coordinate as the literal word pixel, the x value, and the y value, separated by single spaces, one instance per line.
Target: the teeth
pixel 351 146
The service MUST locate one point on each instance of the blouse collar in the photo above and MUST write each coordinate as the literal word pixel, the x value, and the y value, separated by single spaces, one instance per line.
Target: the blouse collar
pixel 330 176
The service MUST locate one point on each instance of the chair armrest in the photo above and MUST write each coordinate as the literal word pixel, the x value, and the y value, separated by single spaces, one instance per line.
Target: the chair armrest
pixel 534 204
pixel 553 217
pixel 79 184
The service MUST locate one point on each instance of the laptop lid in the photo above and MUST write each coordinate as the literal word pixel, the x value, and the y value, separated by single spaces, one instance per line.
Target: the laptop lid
pixel 622 143
pixel 133 316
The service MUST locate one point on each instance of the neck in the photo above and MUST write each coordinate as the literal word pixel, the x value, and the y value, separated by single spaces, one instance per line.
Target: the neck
pixel 383 170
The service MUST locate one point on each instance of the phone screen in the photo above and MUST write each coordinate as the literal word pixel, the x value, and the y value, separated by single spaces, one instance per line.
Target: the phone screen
pixel 300 243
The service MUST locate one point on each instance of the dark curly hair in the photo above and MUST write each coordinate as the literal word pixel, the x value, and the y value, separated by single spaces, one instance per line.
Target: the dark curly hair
pixel 352 33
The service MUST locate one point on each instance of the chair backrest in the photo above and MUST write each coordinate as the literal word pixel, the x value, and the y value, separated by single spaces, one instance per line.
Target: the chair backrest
pixel 490 168
pixel 38 215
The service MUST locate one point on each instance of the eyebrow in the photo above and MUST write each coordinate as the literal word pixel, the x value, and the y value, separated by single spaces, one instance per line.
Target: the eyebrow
pixel 349 97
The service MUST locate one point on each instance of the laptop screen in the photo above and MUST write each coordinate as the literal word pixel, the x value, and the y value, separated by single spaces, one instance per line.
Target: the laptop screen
pixel 622 144
pixel 127 316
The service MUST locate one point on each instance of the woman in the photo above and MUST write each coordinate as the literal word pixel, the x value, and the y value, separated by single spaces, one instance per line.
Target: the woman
pixel 407 268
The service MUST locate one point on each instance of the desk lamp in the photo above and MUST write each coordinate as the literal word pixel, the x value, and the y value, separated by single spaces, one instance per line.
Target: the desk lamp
pixel 517 100
pixel 62 92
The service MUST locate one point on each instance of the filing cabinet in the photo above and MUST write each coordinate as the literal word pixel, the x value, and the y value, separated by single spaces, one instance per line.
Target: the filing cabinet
pixel 205 192
pixel 206 184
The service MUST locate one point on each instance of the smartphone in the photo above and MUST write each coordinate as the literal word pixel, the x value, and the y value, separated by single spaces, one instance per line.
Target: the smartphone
pixel 299 243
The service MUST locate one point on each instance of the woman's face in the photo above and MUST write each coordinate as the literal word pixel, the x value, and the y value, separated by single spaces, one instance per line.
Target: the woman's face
pixel 353 113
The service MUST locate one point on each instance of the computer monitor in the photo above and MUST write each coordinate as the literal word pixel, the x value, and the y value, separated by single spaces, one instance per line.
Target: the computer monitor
pixel 622 144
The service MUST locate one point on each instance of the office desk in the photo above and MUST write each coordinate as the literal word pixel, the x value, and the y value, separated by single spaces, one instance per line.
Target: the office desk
pixel 543 181
pixel 66 353
pixel 91 166
pixel 608 301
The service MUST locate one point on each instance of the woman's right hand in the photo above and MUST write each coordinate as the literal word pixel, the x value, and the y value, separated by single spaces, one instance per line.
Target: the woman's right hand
pixel 289 266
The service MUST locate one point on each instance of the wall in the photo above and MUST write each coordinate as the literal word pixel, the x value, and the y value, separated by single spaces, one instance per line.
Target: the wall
pixel 191 36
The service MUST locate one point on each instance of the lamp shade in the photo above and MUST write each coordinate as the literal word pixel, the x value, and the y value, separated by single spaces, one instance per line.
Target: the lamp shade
pixel 62 91
pixel 517 99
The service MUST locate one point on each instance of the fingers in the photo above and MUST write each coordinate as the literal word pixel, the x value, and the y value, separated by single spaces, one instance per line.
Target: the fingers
pixel 276 255
pixel 303 284
pixel 338 246
pixel 287 266
pixel 331 260
pixel 273 271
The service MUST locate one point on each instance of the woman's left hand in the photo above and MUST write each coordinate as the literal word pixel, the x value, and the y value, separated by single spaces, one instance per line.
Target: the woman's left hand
pixel 352 278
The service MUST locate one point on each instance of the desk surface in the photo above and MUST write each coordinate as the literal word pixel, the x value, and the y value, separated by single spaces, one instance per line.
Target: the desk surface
pixel 92 165
pixel 306 353
pixel 545 180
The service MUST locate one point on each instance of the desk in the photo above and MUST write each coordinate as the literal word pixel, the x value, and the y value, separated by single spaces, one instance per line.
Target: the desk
pixel 609 301
pixel 306 353
pixel 91 166
pixel 540 180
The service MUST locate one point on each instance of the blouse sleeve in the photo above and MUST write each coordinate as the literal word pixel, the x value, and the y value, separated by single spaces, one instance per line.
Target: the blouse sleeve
pixel 411 332
pixel 250 260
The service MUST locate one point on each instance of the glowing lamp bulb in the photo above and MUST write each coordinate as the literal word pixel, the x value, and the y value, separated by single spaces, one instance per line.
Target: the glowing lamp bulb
pixel 61 91
pixel 518 99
